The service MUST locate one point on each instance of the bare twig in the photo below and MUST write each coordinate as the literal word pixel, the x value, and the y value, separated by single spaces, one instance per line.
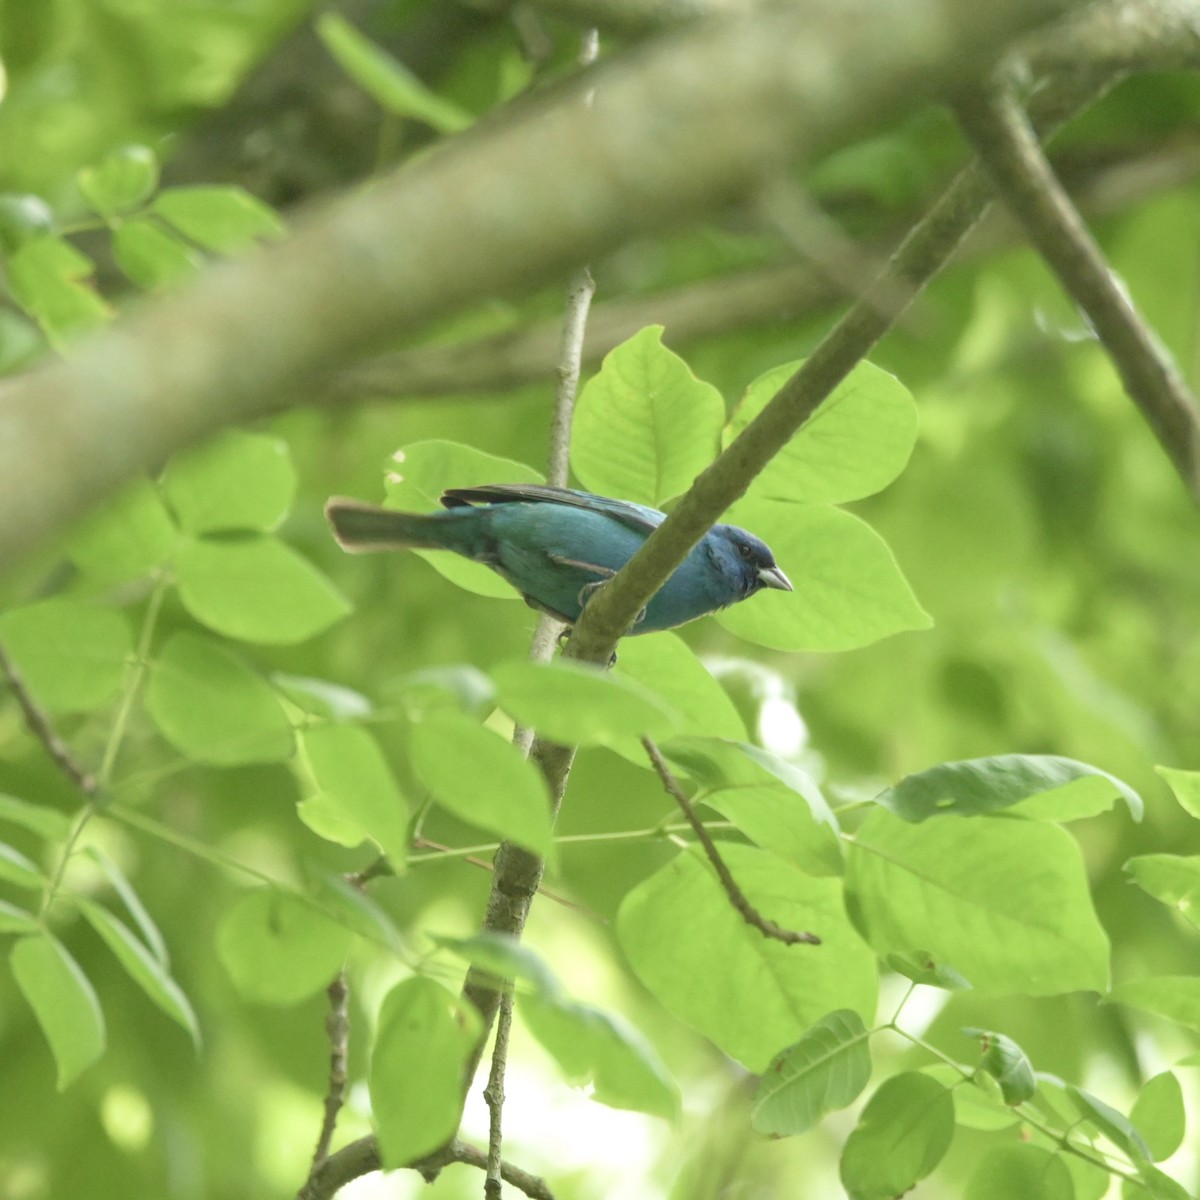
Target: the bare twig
pixel 37 720
pixel 493 1094
pixel 1005 141
pixel 362 1156
pixel 337 1029
pixel 749 914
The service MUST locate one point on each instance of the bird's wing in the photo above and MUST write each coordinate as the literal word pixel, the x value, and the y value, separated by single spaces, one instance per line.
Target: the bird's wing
pixel 636 516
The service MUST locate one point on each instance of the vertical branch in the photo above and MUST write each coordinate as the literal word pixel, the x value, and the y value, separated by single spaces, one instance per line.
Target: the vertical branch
pixel 494 1095
pixel 337 1027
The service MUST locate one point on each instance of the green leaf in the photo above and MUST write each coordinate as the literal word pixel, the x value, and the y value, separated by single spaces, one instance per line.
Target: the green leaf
pixel 23 217
pixel 1065 789
pixel 349 771
pixel 1172 878
pixel 1159 1115
pixel 771 801
pixel 63 1001
pixel 18 870
pixel 709 968
pixel 124 179
pixel 147 971
pixel 395 88
pixel 644 426
pixel 901 1136
pixel 321 698
pixel 279 950
pixel 1004 899
pixel 151 256
pixel 921 967
pixel 46 822
pixel 1007 1064
pixel 220 218
pixel 849 592
pixel 1176 997
pixel 855 444
pixel 419 473
pixel 977 1102
pixel 1019 1169
pixel 1186 787
pixel 423 1041
pixel 124 538
pixel 824 1071
pixel 131 900
pixel 484 779
pixel 1113 1124
pixel 256 588
pixel 666 665
pixel 71 655
pixel 48 278
pixel 1154 1183
pixel 236 481
pixel 578 704
pixel 599 1048
pixel 212 707
pixel 502 956
pixel 16 920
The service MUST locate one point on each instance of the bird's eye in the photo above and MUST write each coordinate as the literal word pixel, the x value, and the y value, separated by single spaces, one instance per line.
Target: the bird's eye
pixel 746 552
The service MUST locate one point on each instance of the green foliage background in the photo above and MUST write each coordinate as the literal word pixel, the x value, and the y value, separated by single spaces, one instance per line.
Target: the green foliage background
pixel 1038 525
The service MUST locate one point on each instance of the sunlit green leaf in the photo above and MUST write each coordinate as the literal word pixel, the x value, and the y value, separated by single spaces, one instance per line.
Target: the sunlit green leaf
pixel 222 218
pixel 23 217
pixel 151 256
pixel 48 278
pixel 922 967
pixel 16 920
pixel 1172 878
pixel 1018 1169
pixel 1115 1125
pixel 17 869
pixel 46 822
pixel 1159 1115
pixel 123 179
pixel 1176 997
pixel 124 538
pixel 1185 785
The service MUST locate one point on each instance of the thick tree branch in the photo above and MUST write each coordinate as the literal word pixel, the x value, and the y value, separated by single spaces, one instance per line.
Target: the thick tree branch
pixel 681 126
pixel 1006 143
pixel 729 885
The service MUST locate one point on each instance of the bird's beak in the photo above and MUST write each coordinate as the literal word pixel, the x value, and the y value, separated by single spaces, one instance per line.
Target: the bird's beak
pixel 773 577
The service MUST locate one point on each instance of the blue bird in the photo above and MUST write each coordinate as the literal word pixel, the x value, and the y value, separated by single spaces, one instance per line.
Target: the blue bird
pixel 556 545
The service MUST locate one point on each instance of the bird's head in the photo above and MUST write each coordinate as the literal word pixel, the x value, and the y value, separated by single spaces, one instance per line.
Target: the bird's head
pixel 752 559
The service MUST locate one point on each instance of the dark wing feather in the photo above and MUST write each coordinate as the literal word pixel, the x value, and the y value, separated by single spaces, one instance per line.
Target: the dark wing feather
pixel 636 516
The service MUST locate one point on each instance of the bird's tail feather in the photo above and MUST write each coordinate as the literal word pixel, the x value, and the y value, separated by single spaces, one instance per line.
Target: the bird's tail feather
pixel 360 528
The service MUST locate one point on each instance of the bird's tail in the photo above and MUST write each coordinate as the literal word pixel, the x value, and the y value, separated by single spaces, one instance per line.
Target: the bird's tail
pixel 360 528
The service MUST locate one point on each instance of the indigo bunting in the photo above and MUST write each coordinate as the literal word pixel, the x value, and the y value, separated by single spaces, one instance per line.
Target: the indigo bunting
pixel 555 545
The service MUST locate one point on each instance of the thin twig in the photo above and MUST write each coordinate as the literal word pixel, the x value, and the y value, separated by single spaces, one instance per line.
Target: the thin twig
pixel 337 1028
pixel 1005 141
pixel 749 914
pixel 37 720
pixel 493 1094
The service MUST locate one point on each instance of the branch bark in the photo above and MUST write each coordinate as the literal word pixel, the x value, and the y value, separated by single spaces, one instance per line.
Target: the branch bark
pixel 681 126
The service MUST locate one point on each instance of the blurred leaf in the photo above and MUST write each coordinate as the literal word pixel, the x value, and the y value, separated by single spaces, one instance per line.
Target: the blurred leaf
pixel 322 698
pixel 978 1103
pixel 1005 900
pixel 16 920
pixel 349 771
pixel 576 703
pixel 23 218
pixel 599 1048
pixel 63 1001
pixel 124 538
pixel 279 950
pixel 1171 878
pixel 709 968
pixel 421 471
pixel 147 971
pixel 256 588
pixel 151 256
pixel 212 707
pixel 220 218
pixel 18 870
pixel 849 592
pixel 1007 1064
pixel 1176 997
pixel 1113 1124
pixel 396 89
pixel 423 1040
pixel 1159 1115
pixel 47 277
pixel 48 823
pixel 71 655
pixel 824 1071
pixel 502 956
pixel 125 178
pixel 131 900
pixel 855 444
pixel 644 425
pixel 236 481
pixel 1153 1182
pixel 1065 789
pixel 1186 787
pixel 1017 1169
pixel 484 779
pixel 902 1134
pixel 922 967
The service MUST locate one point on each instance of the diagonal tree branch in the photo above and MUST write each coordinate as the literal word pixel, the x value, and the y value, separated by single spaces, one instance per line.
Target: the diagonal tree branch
pixel 682 125
pixel 1004 140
